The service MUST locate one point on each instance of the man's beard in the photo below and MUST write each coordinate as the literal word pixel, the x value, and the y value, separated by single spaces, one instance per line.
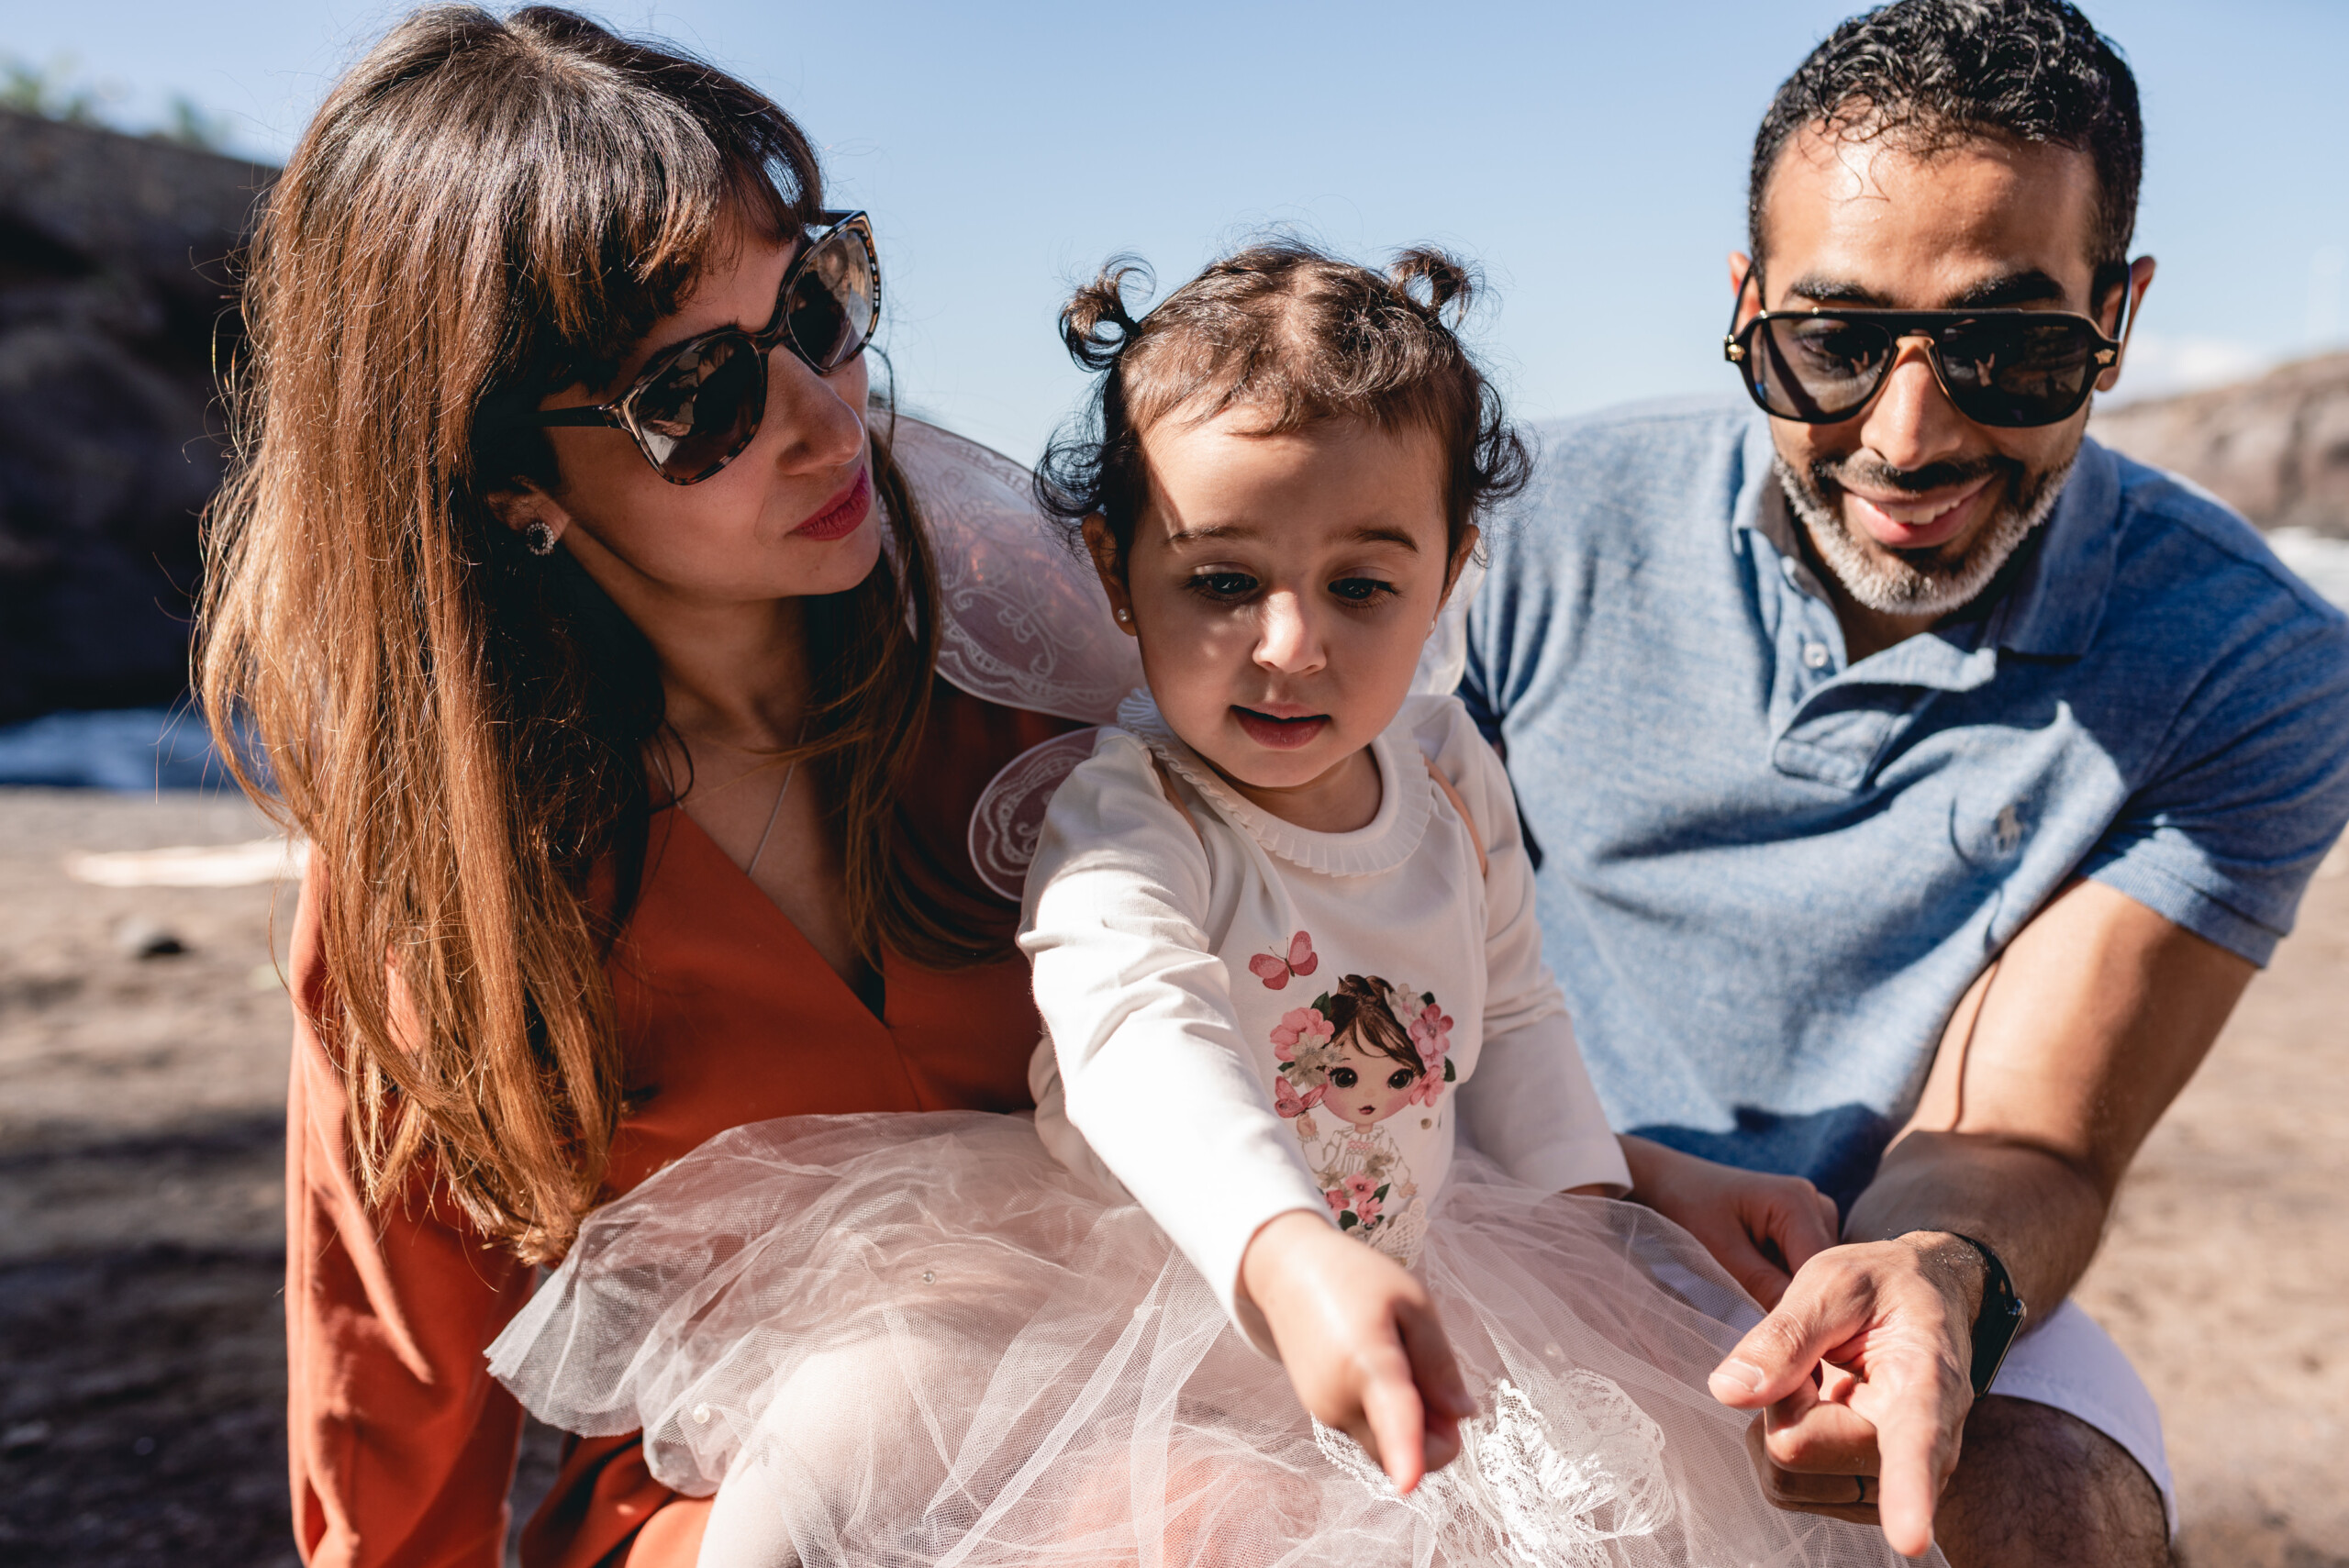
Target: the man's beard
pixel 1920 581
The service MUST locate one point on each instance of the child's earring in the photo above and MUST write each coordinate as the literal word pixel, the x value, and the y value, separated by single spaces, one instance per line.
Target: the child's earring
pixel 539 538
pixel 1126 620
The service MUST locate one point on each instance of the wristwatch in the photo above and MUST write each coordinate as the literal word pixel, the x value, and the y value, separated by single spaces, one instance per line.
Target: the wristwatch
pixel 1998 1321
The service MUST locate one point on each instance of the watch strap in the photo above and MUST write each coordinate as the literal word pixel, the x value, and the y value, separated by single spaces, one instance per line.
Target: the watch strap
pixel 1999 1319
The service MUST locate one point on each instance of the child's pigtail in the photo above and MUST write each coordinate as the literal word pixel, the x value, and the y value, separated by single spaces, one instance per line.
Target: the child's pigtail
pixel 1095 323
pixel 1438 284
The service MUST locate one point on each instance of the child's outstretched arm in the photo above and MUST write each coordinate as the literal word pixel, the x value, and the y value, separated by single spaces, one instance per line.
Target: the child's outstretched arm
pixel 1360 1339
pixel 1152 1072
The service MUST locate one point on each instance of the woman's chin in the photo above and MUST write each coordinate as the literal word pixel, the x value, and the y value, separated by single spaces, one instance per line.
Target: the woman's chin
pixel 806 567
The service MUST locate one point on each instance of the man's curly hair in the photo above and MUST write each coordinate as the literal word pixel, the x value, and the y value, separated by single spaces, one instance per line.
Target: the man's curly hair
pixel 1929 74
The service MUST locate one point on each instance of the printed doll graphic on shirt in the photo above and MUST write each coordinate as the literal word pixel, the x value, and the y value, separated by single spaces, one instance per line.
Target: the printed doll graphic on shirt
pixel 1361 1055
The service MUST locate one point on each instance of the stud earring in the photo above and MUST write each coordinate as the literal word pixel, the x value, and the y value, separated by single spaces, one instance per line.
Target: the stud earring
pixel 1124 615
pixel 539 538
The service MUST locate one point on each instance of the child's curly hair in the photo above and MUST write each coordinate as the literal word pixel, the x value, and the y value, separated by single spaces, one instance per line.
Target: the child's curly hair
pixel 1296 336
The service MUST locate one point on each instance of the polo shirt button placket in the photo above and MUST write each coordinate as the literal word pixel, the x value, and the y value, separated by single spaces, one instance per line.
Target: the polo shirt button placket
pixel 1815 656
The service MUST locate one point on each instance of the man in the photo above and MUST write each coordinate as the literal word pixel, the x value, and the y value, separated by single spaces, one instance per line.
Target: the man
pixel 1919 783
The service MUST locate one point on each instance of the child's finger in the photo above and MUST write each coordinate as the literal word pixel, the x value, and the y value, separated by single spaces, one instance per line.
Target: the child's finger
pixel 1434 1368
pixel 1396 1418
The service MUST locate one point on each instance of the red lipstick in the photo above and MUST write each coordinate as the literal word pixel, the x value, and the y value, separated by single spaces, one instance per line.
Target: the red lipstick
pixel 843 514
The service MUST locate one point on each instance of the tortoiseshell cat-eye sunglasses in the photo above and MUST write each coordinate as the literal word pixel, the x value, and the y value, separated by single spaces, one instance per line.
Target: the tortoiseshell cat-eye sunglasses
pixel 698 404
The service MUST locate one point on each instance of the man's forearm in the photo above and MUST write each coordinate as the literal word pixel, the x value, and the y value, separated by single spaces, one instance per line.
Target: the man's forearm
pixel 2052 1071
pixel 2043 1216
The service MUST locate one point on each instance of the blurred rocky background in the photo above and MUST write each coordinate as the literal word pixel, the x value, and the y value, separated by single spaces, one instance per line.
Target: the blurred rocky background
pixel 2275 448
pixel 115 309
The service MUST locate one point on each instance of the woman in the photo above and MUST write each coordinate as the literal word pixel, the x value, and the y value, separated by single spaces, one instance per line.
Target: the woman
pixel 576 594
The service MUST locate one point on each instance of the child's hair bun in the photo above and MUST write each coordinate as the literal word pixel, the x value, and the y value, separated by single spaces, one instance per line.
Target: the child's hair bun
pixel 1443 287
pixel 1095 323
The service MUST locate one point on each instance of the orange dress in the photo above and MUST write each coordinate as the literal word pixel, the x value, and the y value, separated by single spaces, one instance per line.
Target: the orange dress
pixel 401 1445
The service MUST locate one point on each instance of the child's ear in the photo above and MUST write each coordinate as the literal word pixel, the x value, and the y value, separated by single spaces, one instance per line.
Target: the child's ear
pixel 1459 561
pixel 1102 545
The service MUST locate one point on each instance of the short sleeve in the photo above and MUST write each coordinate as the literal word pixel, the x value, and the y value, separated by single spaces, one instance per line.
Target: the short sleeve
pixel 2254 790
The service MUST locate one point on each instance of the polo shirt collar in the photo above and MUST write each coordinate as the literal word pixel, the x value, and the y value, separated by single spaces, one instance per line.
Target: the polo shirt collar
pixel 2052 609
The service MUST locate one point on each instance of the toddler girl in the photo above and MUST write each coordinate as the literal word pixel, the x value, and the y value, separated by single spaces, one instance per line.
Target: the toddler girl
pixel 1309 1092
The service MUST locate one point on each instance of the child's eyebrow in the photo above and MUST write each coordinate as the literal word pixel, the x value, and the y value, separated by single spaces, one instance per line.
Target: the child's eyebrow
pixel 1367 534
pixel 1211 531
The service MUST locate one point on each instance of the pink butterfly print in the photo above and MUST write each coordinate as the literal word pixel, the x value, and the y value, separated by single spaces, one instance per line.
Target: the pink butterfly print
pixel 1273 970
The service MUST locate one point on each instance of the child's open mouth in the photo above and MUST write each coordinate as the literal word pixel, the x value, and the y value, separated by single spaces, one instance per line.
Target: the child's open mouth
pixel 1281 734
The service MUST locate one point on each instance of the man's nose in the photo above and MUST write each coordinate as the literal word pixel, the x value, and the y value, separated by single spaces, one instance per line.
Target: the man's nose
pixel 1286 637
pixel 1912 423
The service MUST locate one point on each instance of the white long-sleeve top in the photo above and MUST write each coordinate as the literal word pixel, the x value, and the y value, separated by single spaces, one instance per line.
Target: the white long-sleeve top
pixel 1244 1018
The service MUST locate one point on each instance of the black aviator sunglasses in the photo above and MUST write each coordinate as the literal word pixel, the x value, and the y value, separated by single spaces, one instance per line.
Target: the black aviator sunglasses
pixel 698 404
pixel 2012 369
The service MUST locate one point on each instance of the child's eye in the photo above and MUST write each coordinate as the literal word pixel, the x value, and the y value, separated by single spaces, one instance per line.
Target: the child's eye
pixel 1360 590
pixel 1400 1079
pixel 1221 584
pixel 1344 1077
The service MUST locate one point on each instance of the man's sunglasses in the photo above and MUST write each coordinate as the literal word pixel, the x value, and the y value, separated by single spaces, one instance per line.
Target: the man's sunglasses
pixel 2013 369
pixel 698 404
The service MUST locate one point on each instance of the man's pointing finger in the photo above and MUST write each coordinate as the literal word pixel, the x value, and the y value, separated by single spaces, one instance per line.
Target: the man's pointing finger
pixel 1777 1354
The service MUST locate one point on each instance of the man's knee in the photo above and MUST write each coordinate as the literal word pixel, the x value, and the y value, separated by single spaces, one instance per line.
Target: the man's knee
pixel 2037 1486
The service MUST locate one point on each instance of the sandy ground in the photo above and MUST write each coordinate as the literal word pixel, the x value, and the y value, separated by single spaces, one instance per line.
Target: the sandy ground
pixel 140 1259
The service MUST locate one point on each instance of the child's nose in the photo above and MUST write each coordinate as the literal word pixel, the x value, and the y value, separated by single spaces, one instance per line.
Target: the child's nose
pixel 1287 639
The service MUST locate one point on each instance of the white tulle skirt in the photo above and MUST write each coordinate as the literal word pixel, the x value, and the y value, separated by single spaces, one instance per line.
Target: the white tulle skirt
pixel 919 1340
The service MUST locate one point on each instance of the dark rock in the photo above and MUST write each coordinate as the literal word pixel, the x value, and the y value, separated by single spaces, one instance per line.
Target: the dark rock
pixel 2275 448
pixel 115 298
pixel 140 937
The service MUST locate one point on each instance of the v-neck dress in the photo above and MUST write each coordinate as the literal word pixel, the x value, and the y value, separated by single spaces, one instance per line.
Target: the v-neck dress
pixel 401 1445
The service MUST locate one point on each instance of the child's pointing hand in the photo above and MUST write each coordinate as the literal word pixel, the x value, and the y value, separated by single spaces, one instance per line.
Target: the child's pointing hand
pixel 1361 1341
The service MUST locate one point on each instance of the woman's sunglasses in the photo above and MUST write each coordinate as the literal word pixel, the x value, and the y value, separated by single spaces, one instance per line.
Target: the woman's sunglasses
pixel 698 404
pixel 2013 369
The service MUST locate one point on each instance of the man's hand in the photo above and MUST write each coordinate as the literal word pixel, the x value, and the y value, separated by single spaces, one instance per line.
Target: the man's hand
pixel 1361 1341
pixel 1761 1228
pixel 1886 1329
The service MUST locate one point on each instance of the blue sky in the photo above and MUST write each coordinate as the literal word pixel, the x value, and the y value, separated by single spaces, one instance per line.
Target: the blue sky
pixel 1591 158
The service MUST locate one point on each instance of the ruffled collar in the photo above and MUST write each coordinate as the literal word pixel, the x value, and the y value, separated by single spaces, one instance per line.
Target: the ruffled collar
pixel 1405 799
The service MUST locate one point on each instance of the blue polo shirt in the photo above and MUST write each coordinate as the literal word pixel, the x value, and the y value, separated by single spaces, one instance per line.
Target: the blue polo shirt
pixel 1768 873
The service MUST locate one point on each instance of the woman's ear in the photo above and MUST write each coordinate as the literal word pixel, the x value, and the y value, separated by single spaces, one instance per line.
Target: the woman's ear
pixel 1102 545
pixel 530 512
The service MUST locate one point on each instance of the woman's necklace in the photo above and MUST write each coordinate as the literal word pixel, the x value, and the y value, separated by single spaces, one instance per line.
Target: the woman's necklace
pixel 751 869
pixel 774 812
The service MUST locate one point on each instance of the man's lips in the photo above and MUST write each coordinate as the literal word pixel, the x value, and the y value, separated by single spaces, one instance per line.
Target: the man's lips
pixel 843 514
pixel 1282 733
pixel 1918 522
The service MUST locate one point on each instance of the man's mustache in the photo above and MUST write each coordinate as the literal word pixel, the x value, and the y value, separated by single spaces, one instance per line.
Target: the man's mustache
pixel 1828 476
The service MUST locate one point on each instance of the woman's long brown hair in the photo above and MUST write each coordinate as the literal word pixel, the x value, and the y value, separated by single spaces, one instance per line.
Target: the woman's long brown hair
pixel 483 212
